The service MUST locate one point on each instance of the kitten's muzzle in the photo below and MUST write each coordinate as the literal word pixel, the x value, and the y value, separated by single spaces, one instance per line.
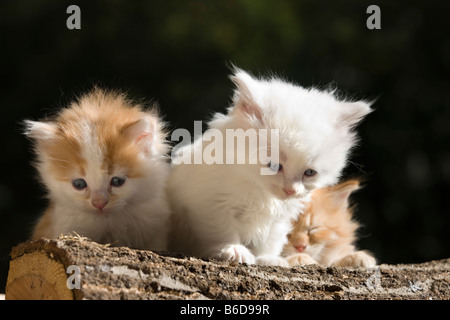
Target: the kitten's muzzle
pixel 99 200
pixel 289 192
pixel 300 248
pixel 99 203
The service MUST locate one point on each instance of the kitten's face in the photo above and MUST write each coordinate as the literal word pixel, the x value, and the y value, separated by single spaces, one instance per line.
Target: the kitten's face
pixel 94 190
pixel 305 166
pixel 97 155
pixel 292 175
pixel 98 175
pixel 314 129
pixel 310 236
pixel 326 222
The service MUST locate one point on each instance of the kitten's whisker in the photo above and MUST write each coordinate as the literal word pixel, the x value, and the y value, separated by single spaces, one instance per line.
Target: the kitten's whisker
pixel 358 166
pixel 59 160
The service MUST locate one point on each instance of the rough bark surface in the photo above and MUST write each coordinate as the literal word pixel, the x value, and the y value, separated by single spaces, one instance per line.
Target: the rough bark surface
pixel 122 273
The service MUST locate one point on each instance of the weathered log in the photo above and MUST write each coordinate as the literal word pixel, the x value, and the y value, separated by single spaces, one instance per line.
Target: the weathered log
pixel 77 268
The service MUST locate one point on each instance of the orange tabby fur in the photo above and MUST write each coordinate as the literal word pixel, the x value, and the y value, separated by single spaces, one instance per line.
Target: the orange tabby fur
pixel 112 114
pixel 325 233
pixel 44 225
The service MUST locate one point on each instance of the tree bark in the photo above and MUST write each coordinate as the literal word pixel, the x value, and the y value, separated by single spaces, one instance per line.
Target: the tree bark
pixel 77 268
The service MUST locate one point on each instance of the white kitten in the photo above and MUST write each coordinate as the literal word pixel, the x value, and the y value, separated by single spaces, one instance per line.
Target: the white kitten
pixel 232 211
pixel 102 163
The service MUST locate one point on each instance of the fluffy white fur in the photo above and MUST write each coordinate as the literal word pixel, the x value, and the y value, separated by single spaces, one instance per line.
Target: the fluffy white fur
pixel 232 212
pixel 138 219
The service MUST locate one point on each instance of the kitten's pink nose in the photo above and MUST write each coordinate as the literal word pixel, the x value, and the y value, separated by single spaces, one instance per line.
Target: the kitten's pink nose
pixel 289 192
pixel 300 248
pixel 99 203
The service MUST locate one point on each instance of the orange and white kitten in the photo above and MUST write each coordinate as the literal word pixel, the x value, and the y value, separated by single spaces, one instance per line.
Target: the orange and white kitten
pixel 102 161
pixel 325 233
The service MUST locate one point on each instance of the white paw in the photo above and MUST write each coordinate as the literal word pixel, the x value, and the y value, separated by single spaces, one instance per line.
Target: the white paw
pixel 300 259
pixel 272 261
pixel 237 253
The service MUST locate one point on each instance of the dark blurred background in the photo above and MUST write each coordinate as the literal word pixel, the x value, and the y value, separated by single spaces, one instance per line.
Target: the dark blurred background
pixel 177 53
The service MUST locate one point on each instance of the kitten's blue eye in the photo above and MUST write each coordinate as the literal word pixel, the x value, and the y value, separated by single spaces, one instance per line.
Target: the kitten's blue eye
pixel 79 184
pixel 117 181
pixel 275 166
pixel 310 172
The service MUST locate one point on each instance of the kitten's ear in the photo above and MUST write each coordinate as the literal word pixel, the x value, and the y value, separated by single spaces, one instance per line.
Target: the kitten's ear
pixel 353 112
pixel 340 193
pixel 40 131
pixel 142 132
pixel 245 106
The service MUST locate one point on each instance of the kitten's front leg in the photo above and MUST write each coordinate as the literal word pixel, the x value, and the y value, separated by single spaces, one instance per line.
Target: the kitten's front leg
pixel 269 251
pixel 300 259
pixel 238 253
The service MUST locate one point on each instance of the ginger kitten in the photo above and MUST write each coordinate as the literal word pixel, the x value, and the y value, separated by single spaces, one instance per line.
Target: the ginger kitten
pixel 102 162
pixel 325 233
